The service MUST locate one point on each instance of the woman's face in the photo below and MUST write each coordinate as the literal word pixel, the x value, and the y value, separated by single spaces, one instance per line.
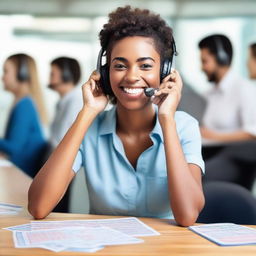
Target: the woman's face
pixel 251 63
pixel 134 65
pixel 10 76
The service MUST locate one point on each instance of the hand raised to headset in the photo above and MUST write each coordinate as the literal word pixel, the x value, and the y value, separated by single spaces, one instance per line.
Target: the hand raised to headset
pixel 167 97
pixel 93 96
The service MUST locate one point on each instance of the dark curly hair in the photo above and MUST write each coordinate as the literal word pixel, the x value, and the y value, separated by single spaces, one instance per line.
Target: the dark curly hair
pixel 127 21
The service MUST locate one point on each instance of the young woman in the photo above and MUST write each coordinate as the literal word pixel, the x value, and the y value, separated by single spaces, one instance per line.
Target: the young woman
pixel 23 142
pixel 140 159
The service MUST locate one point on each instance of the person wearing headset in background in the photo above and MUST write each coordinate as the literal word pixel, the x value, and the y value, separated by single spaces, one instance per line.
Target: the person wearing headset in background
pixel 252 61
pixel 140 159
pixel 230 116
pixel 24 141
pixel 64 77
pixel 230 113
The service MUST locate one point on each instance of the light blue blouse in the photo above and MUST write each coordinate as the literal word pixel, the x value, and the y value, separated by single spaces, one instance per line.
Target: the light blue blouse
pixel 114 186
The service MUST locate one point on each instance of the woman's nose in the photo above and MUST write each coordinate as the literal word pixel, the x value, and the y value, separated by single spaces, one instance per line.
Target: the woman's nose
pixel 132 75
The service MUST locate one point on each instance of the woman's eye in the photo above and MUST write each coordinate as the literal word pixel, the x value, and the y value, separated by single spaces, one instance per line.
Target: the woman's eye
pixel 119 66
pixel 146 66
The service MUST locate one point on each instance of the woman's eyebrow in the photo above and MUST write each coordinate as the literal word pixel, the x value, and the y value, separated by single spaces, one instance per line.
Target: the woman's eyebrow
pixel 145 58
pixel 138 60
pixel 120 59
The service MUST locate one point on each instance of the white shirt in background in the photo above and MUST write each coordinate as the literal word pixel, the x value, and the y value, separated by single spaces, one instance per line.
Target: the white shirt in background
pixel 66 111
pixel 231 106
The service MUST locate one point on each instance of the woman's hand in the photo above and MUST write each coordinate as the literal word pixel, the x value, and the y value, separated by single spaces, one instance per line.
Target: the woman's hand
pixel 93 96
pixel 168 96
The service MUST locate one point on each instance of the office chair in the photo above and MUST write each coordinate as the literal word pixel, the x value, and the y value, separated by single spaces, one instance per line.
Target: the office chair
pixel 228 202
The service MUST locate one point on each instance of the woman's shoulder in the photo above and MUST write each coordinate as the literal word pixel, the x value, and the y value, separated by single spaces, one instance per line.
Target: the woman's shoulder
pixel 26 101
pixel 104 122
pixel 184 120
pixel 183 116
pixel 26 105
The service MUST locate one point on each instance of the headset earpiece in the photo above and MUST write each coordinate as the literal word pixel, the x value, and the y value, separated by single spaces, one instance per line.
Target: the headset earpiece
pixel 221 56
pixel 165 69
pixel 168 62
pixel 67 75
pixel 103 69
pixel 23 70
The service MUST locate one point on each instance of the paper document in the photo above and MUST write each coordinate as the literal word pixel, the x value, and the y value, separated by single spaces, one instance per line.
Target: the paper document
pixel 226 234
pixel 23 227
pixel 9 209
pixel 78 237
pixel 130 226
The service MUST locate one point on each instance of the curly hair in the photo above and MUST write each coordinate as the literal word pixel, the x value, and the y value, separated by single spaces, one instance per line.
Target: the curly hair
pixel 127 21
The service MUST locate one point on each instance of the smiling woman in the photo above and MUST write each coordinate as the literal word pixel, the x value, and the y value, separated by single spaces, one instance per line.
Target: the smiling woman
pixel 139 159
pixel 134 69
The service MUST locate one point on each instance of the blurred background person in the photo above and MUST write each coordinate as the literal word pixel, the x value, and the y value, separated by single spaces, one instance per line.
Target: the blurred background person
pixel 24 142
pixel 64 77
pixel 251 64
pixel 230 113
pixel 230 116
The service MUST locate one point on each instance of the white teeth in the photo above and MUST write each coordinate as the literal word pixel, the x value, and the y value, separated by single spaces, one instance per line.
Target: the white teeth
pixel 133 90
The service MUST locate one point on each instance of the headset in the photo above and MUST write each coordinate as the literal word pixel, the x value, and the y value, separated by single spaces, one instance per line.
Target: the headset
pixel 221 56
pixel 67 75
pixel 103 69
pixel 23 70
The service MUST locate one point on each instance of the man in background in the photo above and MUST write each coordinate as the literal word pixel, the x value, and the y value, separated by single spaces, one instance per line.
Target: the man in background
pixel 230 116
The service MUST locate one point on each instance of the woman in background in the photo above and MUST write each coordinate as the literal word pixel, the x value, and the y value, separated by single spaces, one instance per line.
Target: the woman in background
pixel 23 142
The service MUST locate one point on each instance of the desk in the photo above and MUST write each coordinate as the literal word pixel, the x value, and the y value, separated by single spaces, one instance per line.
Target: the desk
pixel 14 185
pixel 173 240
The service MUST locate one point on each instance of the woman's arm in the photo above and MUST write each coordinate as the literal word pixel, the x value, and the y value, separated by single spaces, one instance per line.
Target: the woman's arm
pixel 184 180
pixel 224 136
pixel 52 180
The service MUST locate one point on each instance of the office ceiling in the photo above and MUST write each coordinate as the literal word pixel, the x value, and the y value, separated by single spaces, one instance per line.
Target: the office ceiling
pixel 94 8
pixel 80 20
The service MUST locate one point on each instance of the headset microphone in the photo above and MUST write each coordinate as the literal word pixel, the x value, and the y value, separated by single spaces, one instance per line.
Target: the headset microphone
pixel 149 92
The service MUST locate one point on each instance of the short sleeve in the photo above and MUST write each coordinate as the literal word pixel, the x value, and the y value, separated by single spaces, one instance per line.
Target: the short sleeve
pixel 248 109
pixel 78 163
pixel 190 138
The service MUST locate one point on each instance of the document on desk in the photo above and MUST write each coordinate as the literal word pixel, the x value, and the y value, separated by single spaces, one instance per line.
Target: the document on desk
pixel 74 239
pixel 9 209
pixel 226 234
pixel 22 227
pixel 129 226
